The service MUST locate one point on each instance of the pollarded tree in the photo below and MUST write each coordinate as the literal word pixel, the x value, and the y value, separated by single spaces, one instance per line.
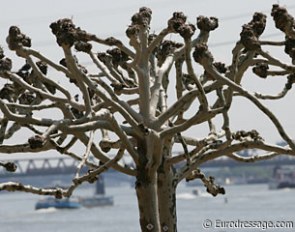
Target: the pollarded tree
pixel 126 99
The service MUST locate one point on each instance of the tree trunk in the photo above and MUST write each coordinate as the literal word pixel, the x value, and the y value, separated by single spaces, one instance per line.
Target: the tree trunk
pixel 167 199
pixel 156 196
pixel 146 191
pixel 155 189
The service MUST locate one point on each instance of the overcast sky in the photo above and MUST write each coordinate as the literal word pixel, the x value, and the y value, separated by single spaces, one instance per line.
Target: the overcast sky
pixel 110 18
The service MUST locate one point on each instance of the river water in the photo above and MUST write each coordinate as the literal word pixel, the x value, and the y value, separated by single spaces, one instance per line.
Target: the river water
pixel 254 203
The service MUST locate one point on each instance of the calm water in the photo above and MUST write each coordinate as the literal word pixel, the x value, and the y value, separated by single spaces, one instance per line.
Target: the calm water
pixel 254 202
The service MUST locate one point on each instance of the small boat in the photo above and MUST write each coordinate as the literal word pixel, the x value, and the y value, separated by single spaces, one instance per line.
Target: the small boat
pixel 195 192
pixel 51 202
pixel 283 177
pixel 99 198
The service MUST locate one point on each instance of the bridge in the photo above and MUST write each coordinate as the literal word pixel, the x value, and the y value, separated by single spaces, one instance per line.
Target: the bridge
pixel 42 166
pixel 227 162
pixel 47 172
pixel 68 166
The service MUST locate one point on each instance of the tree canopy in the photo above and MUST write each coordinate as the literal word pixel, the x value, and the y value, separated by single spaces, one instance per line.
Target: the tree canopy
pixel 126 100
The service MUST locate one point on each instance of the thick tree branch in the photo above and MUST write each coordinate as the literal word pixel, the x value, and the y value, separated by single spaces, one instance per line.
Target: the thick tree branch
pixel 253 99
pixel 229 151
pixel 198 118
pixel 12 187
pixel 180 106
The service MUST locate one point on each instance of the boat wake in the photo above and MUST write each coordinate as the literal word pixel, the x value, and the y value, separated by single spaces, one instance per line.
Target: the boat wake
pixel 186 196
pixel 190 196
pixel 47 210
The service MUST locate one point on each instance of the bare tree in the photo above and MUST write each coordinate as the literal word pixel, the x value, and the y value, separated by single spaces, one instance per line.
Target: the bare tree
pixel 126 99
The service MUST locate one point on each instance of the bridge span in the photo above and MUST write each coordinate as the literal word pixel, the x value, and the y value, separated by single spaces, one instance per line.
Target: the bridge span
pixel 48 172
pixel 68 166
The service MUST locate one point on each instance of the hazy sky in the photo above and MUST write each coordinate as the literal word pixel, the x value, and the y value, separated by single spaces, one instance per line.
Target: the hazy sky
pixel 110 18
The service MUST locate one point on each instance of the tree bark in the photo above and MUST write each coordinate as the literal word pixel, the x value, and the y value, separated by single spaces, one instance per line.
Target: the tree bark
pixel 146 191
pixel 156 192
pixel 167 199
